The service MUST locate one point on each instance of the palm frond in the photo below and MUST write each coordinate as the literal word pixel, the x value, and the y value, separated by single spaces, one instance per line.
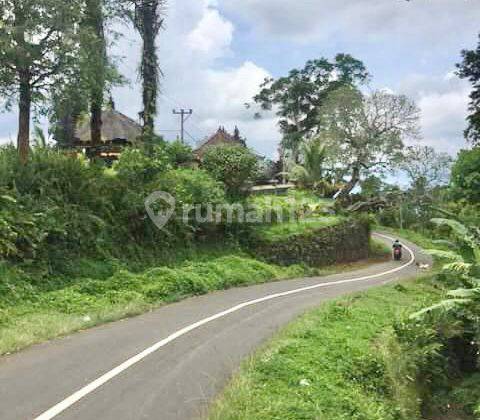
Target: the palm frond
pixel 458 267
pixel 445 255
pixel 464 293
pixel 458 228
pixel 445 242
pixel 444 306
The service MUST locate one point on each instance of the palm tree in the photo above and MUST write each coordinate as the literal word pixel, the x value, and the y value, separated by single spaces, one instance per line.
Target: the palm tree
pixel 311 173
pixel 148 20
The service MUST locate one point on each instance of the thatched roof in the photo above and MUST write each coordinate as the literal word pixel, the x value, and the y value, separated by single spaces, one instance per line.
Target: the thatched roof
pixel 220 137
pixel 115 126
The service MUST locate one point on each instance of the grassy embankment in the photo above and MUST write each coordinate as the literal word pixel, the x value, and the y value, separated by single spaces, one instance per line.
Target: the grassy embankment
pixel 35 308
pixel 328 364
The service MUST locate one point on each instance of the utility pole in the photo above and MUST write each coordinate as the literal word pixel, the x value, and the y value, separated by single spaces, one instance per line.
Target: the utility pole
pixel 184 115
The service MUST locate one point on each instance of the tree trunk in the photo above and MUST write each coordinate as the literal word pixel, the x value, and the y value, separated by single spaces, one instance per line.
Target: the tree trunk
pixel 148 26
pixel 96 121
pixel 351 184
pixel 25 87
pixel 23 139
pixel 95 22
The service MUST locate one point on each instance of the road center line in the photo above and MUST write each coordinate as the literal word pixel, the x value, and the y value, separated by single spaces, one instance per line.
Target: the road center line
pixel 102 380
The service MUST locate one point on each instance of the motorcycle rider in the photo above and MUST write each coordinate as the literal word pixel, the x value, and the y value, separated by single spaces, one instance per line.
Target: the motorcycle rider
pixel 397 250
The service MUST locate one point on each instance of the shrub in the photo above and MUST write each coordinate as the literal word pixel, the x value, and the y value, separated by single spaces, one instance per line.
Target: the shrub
pixel 179 153
pixel 235 166
pixel 192 189
pixel 55 200
pixel 20 231
pixel 136 166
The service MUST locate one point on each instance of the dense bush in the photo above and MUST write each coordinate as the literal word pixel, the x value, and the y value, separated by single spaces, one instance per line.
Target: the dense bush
pixel 59 205
pixel 135 166
pixel 58 201
pixel 235 166
pixel 194 191
pixel 180 153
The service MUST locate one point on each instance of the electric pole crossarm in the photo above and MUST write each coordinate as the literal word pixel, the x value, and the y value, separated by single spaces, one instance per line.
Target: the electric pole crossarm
pixel 184 115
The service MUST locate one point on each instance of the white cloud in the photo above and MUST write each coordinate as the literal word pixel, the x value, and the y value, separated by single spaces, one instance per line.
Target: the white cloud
pixel 443 101
pixel 308 20
pixel 193 78
pixel 212 35
pixel 443 119
pixel 233 88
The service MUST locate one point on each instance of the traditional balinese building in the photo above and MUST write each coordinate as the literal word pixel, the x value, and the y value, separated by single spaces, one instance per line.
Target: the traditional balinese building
pixel 222 136
pixel 118 131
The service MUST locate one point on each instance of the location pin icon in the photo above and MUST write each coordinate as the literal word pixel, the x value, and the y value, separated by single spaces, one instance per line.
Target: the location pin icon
pixel 163 200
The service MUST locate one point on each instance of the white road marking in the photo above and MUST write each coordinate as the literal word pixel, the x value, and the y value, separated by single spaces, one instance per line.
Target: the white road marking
pixel 88 389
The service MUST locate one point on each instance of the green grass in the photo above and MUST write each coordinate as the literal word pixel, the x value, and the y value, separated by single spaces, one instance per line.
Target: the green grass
pixel 299 196
pixel 282 231
pixel 418 238
pixel 35 307
pixel 327 364
pixel 31 312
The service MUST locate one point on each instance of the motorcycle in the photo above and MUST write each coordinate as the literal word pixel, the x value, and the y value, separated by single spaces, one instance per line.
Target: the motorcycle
pixel 397 254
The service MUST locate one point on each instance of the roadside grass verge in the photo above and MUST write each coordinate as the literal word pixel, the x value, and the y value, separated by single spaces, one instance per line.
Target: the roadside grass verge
pixel 89 293
pixel 415 237
pixel 31 313
pixel 328 364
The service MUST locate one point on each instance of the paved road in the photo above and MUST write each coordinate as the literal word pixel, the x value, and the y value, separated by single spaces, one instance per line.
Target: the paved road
pixel 179 378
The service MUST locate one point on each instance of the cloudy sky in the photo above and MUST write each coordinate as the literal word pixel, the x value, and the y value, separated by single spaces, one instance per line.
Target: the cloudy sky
pixel 215 53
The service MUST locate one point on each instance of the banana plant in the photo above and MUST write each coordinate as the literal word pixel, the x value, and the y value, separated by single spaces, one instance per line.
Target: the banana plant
pixel 463 263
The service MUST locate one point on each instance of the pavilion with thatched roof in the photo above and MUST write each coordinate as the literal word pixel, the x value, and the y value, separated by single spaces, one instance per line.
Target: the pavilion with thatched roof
pixel 118 131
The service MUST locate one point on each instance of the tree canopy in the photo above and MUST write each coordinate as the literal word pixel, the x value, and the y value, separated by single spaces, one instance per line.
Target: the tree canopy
pixel 469 69
pixel 366 133
pixel 424 164
pixel 37 47
pixel 297 97
pixel 466 175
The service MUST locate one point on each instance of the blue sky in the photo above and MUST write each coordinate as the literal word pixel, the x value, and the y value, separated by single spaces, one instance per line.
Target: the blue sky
pixel 215 53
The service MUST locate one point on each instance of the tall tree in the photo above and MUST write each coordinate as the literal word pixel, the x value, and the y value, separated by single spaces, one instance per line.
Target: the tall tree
pixel 37 46
pixel 95 47
pixel 92 74
pixel 298 96
pixel 469 69
pixel 148 18
pixel 424 165
pixel 365 133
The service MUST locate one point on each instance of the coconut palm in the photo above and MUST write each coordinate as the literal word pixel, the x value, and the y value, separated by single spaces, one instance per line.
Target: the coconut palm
pixel 311 172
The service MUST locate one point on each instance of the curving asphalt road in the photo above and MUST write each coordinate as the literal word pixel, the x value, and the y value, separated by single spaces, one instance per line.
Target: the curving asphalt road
pixel 170 363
